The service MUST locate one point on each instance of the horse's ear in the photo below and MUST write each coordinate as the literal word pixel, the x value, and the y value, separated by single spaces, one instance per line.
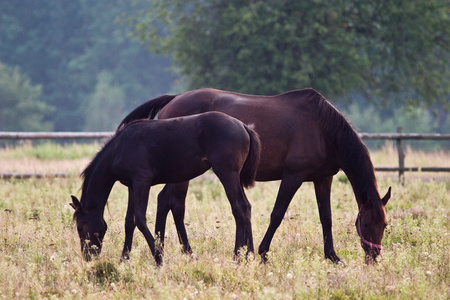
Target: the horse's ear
pixel 75 204
pixel 386 197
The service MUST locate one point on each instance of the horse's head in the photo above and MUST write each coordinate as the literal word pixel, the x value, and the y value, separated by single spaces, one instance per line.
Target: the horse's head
pixel 91 230
pixel 370 225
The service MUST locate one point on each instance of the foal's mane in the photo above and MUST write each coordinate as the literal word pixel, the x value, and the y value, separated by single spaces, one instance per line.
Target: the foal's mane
pixel 352 151
pixel 90 168
pixel 107 146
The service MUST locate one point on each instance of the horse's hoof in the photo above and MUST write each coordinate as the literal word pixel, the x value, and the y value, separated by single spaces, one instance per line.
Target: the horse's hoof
pixel 264 258
pixel 158 260
pixel 187 251
pixel 124 258
pixel 333 257
pixel 193 257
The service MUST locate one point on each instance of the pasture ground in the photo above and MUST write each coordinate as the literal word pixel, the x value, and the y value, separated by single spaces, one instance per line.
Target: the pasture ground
pixel 40 256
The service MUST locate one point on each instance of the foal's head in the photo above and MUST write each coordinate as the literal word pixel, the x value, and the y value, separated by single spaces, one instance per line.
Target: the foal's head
pixel 370 226
pixel 91 230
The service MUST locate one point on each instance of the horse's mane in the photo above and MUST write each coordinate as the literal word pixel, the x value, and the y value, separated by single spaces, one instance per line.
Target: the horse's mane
pixel 109 143
pixel 352 151
pixel 89 170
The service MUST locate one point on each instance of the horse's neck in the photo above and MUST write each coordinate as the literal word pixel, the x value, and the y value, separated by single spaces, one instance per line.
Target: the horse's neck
pixel 361 176
pixel 96 193
pixel 361 185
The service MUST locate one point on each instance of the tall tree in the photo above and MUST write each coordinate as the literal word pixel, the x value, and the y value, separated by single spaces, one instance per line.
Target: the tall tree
pixel 382 49
pixel 64 45
pixel 20 102
pixel 105 105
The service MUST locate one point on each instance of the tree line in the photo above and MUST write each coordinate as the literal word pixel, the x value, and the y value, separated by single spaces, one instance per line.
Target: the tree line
pixel 85 67
pixel 391 54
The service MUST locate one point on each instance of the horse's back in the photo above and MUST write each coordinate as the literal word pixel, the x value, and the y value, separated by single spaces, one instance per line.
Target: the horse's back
pixel 288 125
pixel 179 149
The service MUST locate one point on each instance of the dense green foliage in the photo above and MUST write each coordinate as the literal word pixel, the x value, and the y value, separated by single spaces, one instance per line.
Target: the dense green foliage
pixel 390 50
pixel 90 72
pixel 20 100
pixel 67 47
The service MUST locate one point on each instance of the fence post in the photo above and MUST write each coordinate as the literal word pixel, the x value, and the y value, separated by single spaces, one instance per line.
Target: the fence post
pixel 401 158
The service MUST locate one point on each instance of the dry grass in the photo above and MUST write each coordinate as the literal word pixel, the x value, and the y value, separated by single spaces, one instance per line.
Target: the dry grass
pixel 35 165
pixel 41 258
pixel 388 157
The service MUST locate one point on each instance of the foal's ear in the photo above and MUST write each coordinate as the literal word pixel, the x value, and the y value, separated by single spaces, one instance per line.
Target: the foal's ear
pixel 75 204
pixel 386 197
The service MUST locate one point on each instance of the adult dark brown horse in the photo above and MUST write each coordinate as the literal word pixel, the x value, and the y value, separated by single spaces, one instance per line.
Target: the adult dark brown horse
pixel 149 152
pixel 304 138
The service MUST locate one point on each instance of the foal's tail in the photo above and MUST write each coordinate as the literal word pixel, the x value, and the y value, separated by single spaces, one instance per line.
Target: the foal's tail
pixel 148 110
pixel 248 172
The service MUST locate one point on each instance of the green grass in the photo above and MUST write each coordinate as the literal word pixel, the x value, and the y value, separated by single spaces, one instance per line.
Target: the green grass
pixel 40 256
pixel 49 150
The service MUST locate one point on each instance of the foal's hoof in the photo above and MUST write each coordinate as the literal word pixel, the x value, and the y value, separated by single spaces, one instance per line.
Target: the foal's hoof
pixel 124 258
pixel 193 257
pixel 333 257
pixel 159 261
pixel 264 258
pixel 186 249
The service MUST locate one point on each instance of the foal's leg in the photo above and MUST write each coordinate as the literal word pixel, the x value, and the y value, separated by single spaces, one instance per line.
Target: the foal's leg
pixel 172 197
pixel 323 190
pixel 140 192
pixel 129 228
pixel 241 209
pixel 289 185
pixel 178 208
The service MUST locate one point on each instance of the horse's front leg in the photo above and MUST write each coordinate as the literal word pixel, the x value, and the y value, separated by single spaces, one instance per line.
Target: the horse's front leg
pixel 323 190
pixel 129 229
pixel 172 197
pixel 140 192
pixel 289 185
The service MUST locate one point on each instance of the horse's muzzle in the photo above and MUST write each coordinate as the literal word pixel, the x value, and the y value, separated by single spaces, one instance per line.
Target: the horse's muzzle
pixel 90 250
pixel 371 255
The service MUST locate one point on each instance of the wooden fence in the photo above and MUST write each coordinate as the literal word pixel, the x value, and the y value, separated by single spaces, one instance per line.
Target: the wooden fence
pixel 397 137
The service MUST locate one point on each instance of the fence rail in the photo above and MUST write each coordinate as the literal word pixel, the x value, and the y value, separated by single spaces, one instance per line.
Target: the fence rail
pixel 398 137
pixel 9 135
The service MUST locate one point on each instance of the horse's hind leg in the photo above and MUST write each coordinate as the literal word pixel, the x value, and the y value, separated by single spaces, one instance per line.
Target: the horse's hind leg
pixel 178 208
pixel 172 197
pixel 140 192
pixel 323 190
pixel 241 209
pixel 129 228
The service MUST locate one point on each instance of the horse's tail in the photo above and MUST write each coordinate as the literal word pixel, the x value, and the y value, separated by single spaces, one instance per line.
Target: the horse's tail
pixel 248 172
pixel 148 110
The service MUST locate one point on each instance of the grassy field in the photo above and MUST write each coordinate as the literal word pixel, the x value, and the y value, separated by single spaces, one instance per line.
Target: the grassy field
pixel 40 256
